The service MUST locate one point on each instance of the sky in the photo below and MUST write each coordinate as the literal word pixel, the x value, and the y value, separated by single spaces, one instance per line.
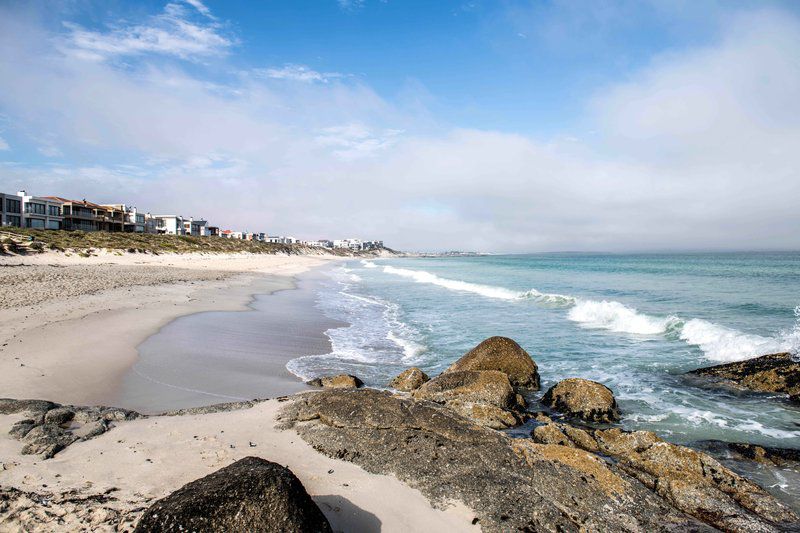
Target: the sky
pixel 502 126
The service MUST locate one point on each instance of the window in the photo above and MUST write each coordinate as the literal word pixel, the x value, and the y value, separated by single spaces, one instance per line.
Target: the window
pixel 34 223
pixel 54 210
pixel 13 206
pixel 36 209
pixel 140 219
pixel 13 221
pixel 53 224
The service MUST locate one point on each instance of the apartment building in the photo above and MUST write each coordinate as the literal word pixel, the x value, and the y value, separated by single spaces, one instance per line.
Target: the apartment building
pixel 170 225
pixel 322 243
pixel 10 210
pixel 40 212
pixel 133 221
pixel 196 228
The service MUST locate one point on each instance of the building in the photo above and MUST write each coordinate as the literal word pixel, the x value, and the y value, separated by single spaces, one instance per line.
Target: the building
pixel 196 228
pixel 150 224
pixel 87 216
pixel 279 239
pixel 170 225
pixel 213 231
pixel 10 210
pixel 40 213
pixel 322 243
pixel 132 220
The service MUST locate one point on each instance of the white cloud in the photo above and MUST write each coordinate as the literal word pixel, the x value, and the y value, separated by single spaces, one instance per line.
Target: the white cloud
pixel 297 73
pixel 201 8
pixel 350 4
pixel 696 150
pixel 169 33
pixel 4 145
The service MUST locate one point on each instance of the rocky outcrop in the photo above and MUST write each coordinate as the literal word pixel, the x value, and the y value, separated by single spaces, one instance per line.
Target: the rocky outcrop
pixel 51 427
pixel 511 484
pixel 341 381
pixel 251 494
pixel 409 380
pixel 486 397
pixel 504 355
pixel 584 399
pixel 778 372
pixel 690 480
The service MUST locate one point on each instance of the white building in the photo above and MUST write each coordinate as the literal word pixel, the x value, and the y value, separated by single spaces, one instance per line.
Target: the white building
pixel 170 225
pixel 38 212
pixel 135 220
pixel 196 228
pixel 279 239
pixel 322 243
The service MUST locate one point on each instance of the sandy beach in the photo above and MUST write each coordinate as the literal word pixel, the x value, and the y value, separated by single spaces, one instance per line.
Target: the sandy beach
pixel 75 339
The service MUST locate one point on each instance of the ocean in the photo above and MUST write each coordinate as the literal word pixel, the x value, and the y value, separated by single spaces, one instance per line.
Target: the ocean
pixel 635 323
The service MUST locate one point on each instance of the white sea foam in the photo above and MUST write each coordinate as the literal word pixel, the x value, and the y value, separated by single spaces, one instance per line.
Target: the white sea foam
pixel 368 264
pixel 411 350
pixel 615 316
pixel 489 291
pixel 718 343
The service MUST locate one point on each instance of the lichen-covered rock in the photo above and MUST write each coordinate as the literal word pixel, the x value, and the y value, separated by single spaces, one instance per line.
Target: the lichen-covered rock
pixel 489 387
pixel 59 416
pixel 778 372
pixel 486 415
pixel 504 355
pixel 510 484
pixel 252 494
pixel 9 406
pixel 409 380
pixel 692 481
pixel 584 399
pixel 340 381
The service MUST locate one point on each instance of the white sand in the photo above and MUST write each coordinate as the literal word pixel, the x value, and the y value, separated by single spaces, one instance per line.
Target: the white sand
pixel 75 349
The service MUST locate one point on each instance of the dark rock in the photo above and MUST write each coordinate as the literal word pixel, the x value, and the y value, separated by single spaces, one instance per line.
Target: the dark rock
pixel 21 428
pixel 409 380
pixel 10 406
pixel 504 355
pixel 216 408
pixel 251 494
pixel 46 440
pixel 510 484
pixel 341 381
pixel 59 416
pixel 690 480
pixel 584 399
pixel 778 372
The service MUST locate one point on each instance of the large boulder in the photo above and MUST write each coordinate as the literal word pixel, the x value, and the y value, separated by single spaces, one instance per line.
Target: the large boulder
pixel 46 440
pixel 504 355
pixel 410 379
pixel 488 387
pixel 584 399
pixel 510 484
pixel 778 372
pixel 340 381
pixel 251 494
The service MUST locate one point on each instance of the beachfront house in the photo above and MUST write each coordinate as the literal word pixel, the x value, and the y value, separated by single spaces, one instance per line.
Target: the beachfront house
pixel 40 213
pixel 170 225
pixel 195 228
pixel 10 210
pixel 279 239
pixel 87 216
pixel 322 243
pixel 213 231
pixel 132 220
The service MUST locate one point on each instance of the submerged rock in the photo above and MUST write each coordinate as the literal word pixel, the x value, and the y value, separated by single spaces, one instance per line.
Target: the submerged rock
pixel 584 399
pixel 252 494
pixel 504 355
pixel 410 379
pixel 778 372
pixel 511 484
pixel 340 381
pixel 690 480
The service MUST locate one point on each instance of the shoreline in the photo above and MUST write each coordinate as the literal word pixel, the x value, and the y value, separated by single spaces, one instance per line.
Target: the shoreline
pixel 77 349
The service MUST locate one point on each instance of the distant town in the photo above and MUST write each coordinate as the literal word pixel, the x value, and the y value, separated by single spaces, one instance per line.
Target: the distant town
pixel 55 213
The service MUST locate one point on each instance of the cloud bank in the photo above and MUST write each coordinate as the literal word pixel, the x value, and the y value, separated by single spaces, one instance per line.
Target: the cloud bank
pixel 696 150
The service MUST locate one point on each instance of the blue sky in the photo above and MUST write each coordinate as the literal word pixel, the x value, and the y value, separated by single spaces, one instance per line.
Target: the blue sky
pixel 511 126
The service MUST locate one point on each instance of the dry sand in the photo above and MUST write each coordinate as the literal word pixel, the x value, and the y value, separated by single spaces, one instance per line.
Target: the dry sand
pixel 72 344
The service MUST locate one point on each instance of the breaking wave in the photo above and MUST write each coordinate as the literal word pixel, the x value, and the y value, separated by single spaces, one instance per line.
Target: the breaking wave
pixel 718 343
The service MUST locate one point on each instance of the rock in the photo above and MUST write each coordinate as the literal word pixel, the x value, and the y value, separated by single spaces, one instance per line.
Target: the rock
pixel 778 372
pixel 489 387
pixel 10 406
pixel 581 398
pixel 341 381
pixel 409 380
pixel 216 408
pixel 21 428
pixel 504 355
pixel 251 494
pixel 46 440
pixel 485 415
pixel 510 484
pixel 91 430
pixel 59 416
pixel 692 481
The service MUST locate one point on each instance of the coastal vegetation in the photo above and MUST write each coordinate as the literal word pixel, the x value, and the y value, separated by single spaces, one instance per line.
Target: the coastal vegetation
pixel 24 240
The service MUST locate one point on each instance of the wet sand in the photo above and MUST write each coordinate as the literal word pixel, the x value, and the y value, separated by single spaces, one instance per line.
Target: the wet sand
pixel 221 356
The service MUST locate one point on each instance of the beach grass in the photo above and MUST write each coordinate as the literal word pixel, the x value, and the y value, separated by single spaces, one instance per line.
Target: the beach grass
pixel 24 240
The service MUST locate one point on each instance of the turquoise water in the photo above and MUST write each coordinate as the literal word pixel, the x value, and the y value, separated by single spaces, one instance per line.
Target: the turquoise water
pixel 633 322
